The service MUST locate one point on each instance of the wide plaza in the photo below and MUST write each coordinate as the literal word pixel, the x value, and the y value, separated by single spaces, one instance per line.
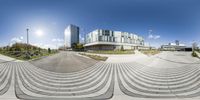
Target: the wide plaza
pixel 164 76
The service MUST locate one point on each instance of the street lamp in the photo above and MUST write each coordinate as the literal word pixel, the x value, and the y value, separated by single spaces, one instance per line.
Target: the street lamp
pixel 27 42
pixel 27 35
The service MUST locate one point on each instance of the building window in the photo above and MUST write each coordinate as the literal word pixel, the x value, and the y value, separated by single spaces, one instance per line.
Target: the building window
pixel 100 33
pixel 100 38
pixel 110 39
pixel 107 33
pixel 112 33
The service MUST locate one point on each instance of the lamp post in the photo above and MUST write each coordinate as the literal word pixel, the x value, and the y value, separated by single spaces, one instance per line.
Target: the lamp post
pixel 27 41
pixel 193 44
pixel 27 35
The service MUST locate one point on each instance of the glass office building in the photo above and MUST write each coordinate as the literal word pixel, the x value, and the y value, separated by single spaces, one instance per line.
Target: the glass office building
pixel 110 40
pixel 71 35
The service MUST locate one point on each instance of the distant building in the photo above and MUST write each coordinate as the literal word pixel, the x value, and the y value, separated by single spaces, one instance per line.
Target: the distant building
pixel 175 47
pixel 110 40
pixel 71 35
pixel 177 42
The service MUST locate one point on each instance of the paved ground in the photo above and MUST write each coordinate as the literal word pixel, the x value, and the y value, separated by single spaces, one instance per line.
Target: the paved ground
pixel 1 61
pixel 198 54
pixel 64 62
pixel 4 59
pixel 166 76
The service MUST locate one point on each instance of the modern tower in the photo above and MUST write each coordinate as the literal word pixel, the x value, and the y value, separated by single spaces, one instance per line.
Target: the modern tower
pixel 177 42
pixel 71 35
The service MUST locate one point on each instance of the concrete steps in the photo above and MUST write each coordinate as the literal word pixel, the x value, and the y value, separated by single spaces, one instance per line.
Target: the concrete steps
pixel 140 81
pixel 98 84
pixel 133 80
pixel 5 77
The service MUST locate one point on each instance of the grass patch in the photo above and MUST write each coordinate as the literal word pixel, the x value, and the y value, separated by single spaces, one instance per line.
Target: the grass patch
pixel 95 57
pixel 194 54
pixel 112 52
pixel 150 52
pixel 19 51
pixel 22 55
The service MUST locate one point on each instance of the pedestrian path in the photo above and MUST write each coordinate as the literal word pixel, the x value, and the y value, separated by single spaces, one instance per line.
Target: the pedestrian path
pixel 198 54
pixel 104 80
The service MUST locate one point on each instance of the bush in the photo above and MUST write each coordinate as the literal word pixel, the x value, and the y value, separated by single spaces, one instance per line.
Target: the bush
pixel 194 54
pixel 37 52
pixel 77 47
pixel 19 51
pixel 27 57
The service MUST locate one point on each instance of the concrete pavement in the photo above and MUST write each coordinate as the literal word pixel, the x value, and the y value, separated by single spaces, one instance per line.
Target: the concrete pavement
pixel 179 79
pixel 64 62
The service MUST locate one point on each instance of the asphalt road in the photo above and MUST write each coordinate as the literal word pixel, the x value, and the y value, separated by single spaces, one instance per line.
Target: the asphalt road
pixel 64 62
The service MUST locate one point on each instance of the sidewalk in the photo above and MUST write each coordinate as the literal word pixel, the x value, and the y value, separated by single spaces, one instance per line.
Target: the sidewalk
pixel 7 59
pixel 198 54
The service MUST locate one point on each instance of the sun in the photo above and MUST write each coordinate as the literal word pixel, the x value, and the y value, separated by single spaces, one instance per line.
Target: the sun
pixel 39 33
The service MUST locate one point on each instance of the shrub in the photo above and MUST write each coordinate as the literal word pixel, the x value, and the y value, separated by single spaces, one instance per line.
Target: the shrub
pixel 19 51
pixel 194 54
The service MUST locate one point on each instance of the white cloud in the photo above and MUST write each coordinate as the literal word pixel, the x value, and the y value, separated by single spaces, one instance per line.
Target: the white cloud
pixel 156 36
pixel 82 39
pixel 59 44
pixel 17 39
pixel 150 31
pixel 21 37
pixel 57 40
pixel 151 36
pixel 45 46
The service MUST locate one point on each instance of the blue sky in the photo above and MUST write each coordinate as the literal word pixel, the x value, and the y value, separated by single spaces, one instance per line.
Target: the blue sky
pixel 158 21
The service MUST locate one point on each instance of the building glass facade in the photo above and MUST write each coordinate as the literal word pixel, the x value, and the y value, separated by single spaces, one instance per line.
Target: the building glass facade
pixel 71 35
pixel 113 38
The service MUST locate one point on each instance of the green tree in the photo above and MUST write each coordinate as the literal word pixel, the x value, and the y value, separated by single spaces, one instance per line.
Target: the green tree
pixel 74 45
pixel 79 46
pixel 194 54
pixel 39 49
pixel 49 50
pixel 1 49
pixel 17 47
